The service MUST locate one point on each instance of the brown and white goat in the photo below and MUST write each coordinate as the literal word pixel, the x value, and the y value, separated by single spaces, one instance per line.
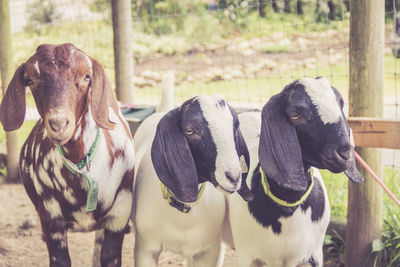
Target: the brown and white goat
pixel 80 123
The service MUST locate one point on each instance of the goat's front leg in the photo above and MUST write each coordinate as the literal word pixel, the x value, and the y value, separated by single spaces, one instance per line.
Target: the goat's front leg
pixel 98 243
pixel 55 236
pixel 147 251
pixel 212 256
pixel 111 249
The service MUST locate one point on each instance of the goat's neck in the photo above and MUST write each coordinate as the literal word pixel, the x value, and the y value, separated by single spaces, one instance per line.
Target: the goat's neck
pixel 83 138
pixel 284 193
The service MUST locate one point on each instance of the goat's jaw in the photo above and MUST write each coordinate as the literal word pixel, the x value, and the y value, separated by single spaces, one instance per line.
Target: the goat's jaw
pixel 59 139
pixel 227 187
pixel 335 164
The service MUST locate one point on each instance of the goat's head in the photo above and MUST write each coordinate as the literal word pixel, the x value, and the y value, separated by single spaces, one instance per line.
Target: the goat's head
pixel 198 142
pixel 305 126
pixel 62 80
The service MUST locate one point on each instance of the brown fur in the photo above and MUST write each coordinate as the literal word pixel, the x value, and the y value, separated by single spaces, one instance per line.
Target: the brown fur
pixel 65 84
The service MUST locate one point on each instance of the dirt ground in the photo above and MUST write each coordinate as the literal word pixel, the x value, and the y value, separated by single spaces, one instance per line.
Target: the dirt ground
pixel 21 243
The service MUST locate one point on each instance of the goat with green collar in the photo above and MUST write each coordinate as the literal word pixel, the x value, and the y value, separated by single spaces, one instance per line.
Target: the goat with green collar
pixel 181 156
pixel 301 128
pixel 77 163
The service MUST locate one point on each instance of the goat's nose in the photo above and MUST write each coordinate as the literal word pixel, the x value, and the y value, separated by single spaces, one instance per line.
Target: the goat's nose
pixel 344 152
pixel 58 123
pixel 233 178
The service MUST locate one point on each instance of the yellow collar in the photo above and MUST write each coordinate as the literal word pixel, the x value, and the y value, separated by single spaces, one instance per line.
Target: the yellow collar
pixel 282 202
pixel 177 204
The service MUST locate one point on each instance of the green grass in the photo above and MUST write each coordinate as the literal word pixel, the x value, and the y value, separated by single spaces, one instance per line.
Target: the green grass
pixel 336 185
pixel 277 49
pixel 288 23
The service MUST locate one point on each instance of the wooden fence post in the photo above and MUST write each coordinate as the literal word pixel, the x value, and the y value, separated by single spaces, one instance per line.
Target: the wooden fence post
pixel 6 69
pixel 123 52
pixel 366 99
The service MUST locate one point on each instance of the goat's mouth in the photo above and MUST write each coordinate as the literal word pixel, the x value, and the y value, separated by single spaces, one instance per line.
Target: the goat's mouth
pixel 60 138
pixel 336 164
pixel 59 141
pixel 228 186
pixel 224 190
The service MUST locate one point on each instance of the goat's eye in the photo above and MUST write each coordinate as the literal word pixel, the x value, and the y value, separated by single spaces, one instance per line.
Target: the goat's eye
pixel 87 77
pixel 189 131
pixel 28 82
pixel 294 116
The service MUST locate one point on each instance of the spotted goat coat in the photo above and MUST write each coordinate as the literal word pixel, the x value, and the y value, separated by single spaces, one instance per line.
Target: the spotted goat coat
pixel 75 101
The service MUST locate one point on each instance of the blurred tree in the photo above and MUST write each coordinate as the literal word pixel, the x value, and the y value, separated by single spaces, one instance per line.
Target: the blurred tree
pixel 261 8
pixel 41 12
pixel 299 7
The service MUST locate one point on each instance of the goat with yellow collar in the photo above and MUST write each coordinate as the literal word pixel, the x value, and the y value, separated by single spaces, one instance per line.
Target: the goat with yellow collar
pixel 300 128
pixel 188 151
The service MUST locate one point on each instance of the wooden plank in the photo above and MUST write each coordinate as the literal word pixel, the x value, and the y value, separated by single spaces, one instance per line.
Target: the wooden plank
pixel 373 132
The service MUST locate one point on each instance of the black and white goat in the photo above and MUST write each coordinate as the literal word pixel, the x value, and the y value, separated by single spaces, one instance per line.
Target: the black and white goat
pixel 178 152
pixel 300 128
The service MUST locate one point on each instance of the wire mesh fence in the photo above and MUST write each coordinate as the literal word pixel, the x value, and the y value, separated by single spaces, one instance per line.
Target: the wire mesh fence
pixel 244 50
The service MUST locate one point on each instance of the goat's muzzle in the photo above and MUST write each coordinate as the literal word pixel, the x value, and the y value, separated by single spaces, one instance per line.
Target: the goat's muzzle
pixel 337 158
pixel 230 182
pixel 59 125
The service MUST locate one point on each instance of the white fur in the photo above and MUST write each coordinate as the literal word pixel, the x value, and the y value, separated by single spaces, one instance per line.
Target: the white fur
pixel 220 123
pixel 53 207
pixel 36 184
pixel 45 178
pixel 197 234
pixel 68 195
pixel 322 96
pixel 120 214
pixel 88 61
pixel 36 65
pixel 108 178
pixel 83 220
pixel 56 158
pixel 300 237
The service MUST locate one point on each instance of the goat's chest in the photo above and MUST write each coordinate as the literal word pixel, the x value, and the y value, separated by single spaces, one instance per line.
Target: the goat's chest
pixel 57 192
pixel 185 233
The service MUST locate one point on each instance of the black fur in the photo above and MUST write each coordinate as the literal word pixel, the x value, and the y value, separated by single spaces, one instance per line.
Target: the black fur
pixel 313 262
pixel 183 161
pixel 267 212
pixel 293 137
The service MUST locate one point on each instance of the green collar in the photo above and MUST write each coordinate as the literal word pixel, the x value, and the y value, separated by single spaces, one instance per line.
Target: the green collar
pixel 177 204
pixel 282 202
pixel 92 198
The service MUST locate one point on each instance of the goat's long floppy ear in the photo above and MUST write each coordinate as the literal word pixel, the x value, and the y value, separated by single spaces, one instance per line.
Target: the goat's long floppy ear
pixel 244 157
pixel 172 158
pixel 102 97
pixel 352 172
pixel 279 150
pixel 13 107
